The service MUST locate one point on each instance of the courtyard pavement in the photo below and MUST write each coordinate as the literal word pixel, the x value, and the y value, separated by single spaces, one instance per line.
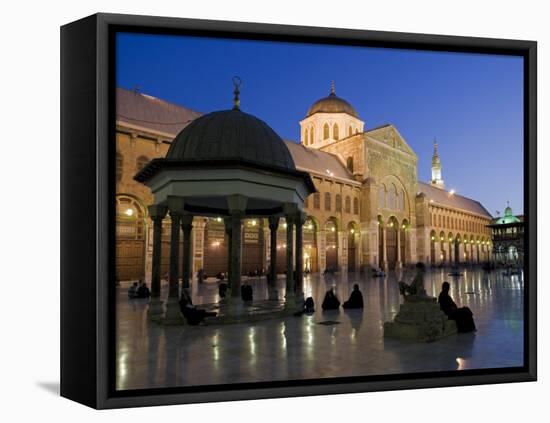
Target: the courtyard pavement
pixel 326 344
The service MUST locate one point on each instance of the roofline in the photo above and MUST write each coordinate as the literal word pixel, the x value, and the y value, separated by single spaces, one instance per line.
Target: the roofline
pixel 458 195
pixel 161 99
pixel 156 165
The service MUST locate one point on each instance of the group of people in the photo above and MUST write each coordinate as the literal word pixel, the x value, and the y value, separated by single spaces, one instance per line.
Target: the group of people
pixel 139 290
pixel 331 301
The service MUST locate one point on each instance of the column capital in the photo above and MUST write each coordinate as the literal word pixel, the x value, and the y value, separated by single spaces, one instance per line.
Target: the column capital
pixel 300 218
pixel 236 203
pixel 176 205
pixel 290 208
pixel 186 220
pixel 157 211
pixel 273 222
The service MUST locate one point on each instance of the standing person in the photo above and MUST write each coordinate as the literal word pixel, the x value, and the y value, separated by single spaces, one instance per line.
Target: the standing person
pixel 463 316
pixel 355 299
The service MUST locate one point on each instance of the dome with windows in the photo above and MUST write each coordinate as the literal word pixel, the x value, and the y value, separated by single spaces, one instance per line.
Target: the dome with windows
pixel 332 104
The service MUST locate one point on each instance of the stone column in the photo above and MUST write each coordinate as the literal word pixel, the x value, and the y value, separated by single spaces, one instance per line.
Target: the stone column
pixel 186 226
pixel 272 279
pixel 290 302
pixel 237 208
pixel 321 251
pixel 157 214
pixel 299 278
pixel 173 315
pixel 384 249
pixel 235 257
pixel 228 232
pixel 399 264
pixel 342 256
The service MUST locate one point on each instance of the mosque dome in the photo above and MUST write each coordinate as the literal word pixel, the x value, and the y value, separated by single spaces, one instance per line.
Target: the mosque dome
pixel 332 104
pixel 231 135
pixel 508 211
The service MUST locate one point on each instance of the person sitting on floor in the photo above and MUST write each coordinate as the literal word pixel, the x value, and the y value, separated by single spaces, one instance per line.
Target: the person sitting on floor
pixel 308 307
pixel 246 292
pixel 222 289
pixel 143 291
pixel 355 299
pixel 463 316
pixel 132 291
pixel 331 301
pixel 192 314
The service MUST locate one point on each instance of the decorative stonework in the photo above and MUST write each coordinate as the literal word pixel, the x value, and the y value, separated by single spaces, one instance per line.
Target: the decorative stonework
pixel 420 319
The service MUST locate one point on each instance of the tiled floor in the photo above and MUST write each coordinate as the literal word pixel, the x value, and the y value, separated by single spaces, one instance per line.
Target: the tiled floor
pixel 150 355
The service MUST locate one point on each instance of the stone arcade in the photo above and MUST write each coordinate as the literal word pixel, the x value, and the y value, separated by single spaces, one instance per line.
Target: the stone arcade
pixel 369 209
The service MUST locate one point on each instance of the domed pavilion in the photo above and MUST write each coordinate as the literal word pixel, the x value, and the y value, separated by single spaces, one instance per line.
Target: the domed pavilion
pixel 226 164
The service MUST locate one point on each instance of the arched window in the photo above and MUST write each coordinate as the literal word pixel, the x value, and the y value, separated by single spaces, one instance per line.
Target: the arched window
pixel 335 132
pixel 338 206
pixel 326 131
pixel 391 198
pixel 306 137
pixel 130 218
pixel 119 166
pixel 141 162
pixel 316 201
pixel 402 200
pixel 311 132
pixel 349 164
pixel 382 196
pixel 350 131
pixel 347 204
pixel 355 205
pixel 327 201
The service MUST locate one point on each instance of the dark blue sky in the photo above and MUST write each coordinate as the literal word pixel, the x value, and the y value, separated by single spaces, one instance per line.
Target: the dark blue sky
pixel 472 103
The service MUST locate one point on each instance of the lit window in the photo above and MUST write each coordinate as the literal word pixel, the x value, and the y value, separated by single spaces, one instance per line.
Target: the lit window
pixel 326 131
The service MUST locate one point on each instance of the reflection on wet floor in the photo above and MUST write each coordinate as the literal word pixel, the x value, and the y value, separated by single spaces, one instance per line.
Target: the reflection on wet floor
pixel 150 355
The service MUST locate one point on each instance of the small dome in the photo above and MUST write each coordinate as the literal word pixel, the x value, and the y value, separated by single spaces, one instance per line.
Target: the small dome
pixel 508 211
pixel 332 104
pixel 231 135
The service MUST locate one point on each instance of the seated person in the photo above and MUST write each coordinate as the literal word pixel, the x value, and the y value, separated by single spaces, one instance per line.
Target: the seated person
pixel 201 276
pixel 246 292
pixel 462 316
pixel 143 291
pixel 220 276
pixel 355 299
pixel 132 291
pixel 222 289
pixel 192 314
pixel 378 272
pixel 308 307
pixel 331 301
pixel 417 285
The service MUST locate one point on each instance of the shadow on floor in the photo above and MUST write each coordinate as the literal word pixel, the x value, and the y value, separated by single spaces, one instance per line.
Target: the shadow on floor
pixel 51 387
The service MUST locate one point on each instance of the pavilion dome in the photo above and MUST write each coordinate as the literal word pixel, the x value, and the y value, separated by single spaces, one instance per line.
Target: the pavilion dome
pixel 332 104
pixel 231 135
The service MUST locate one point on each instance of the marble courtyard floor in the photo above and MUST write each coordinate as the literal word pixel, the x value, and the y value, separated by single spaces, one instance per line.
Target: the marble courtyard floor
pixel 348 343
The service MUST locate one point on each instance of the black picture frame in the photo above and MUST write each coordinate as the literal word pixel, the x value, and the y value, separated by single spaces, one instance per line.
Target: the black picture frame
pixel 87 209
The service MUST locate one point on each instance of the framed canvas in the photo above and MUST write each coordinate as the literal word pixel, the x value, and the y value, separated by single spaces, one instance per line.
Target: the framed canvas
pixel 259 211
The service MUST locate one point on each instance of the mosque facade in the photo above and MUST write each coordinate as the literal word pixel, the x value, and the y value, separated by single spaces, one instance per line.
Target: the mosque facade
pixel 369 211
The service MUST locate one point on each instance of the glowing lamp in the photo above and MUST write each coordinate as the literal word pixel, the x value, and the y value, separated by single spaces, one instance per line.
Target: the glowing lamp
pixel 129 212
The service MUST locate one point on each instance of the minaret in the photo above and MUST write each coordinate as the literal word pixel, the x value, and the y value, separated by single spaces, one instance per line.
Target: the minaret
pixel 436 181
